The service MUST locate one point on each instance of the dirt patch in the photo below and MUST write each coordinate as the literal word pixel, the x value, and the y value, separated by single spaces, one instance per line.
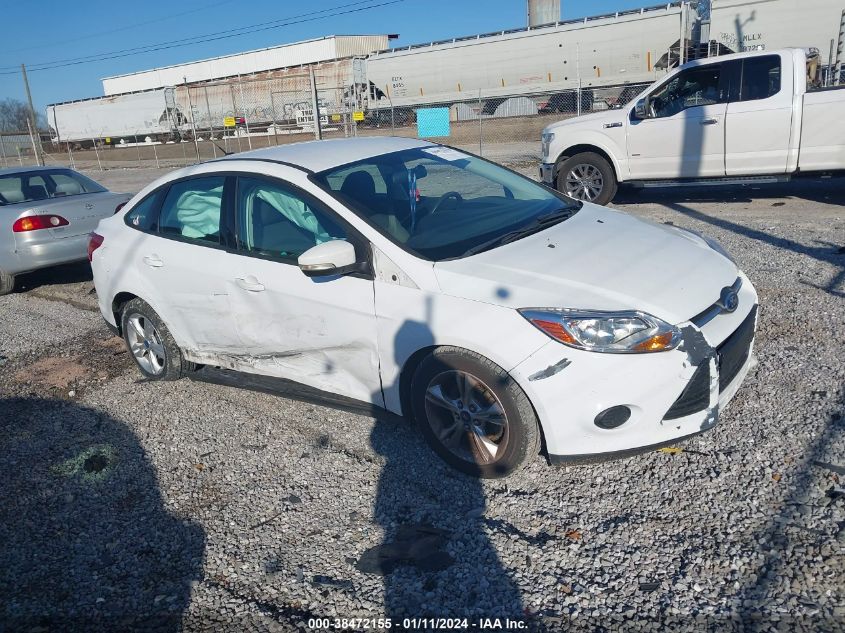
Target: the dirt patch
pixel 58 372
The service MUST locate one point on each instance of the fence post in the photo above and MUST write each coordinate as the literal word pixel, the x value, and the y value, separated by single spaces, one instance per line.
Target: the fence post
pixel 234 113
pixel 480 131
pixel 210 122
pixel 243 111
pixel 578 69
pixel 20 160
pixel 3 150
pixel 155 153
pixel 70 156
pixel 96 151
pixel 193 122
pixel 138 147
pixel 315 106
pixel 36 148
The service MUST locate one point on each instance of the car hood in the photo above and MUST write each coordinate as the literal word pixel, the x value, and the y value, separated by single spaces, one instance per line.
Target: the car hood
pixel 593 119
pixel 599 259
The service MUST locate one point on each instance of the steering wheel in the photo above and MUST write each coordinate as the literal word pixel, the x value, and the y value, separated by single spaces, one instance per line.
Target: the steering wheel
pixel 444 197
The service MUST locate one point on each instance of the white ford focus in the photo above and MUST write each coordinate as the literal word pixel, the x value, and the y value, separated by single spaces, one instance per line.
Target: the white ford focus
pixel 496 312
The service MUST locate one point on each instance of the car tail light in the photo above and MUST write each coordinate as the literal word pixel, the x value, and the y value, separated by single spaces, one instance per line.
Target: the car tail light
pixel 95 241
pixel 37 222
pixel 120 206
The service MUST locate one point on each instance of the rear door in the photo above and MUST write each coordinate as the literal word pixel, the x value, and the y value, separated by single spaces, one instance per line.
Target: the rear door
pixel 318 331
pixel 684 136
pixel 182 260
pixel 759 116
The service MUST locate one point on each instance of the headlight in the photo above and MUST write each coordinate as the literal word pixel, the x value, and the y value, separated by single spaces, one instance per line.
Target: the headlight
pixel 612 332
pixel 545 143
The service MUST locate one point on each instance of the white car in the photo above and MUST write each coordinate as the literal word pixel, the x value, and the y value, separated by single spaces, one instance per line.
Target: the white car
pixel 496 312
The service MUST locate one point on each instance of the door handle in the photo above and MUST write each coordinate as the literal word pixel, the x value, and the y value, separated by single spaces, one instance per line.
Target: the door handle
pixel 153 261
pixel 250 283
pixel 709 121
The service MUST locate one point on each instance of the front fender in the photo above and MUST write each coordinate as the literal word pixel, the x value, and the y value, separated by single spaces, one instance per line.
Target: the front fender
pixel 570 144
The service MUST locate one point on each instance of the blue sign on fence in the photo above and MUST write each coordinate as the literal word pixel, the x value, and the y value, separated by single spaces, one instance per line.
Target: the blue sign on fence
pixel 432 122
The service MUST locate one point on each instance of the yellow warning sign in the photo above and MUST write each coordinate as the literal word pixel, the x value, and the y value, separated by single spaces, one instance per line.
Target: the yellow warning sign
pixel 229 121
pixel 335 118
pixel 358 115
pixel 108 139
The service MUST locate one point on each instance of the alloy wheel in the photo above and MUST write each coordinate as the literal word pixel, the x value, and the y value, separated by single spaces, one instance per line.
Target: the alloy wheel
pixel 466 416
pixel 584 182
pixel 145 344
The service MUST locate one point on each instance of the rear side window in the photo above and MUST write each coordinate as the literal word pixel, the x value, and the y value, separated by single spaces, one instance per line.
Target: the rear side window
pixel 191 209
pixel 143 215
pixel 761 78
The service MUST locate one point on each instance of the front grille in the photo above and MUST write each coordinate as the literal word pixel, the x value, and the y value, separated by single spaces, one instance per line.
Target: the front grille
pixel 695 396
pixel 733 353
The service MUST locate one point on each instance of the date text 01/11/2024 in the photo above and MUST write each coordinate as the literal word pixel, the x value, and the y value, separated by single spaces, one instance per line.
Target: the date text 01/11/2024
pixel 386 624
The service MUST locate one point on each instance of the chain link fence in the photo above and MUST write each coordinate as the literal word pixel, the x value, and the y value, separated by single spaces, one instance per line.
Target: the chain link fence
pixel 198 122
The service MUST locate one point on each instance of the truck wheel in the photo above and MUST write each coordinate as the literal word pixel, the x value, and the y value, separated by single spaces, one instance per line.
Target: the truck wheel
pixel 588 177
pixel 473 414
pixel 7 283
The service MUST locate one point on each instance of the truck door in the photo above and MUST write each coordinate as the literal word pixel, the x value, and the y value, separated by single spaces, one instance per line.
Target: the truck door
pixel 683 132
pixel 759 117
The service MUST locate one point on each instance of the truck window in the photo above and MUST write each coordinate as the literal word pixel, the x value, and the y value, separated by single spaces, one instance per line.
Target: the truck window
pixel 690 88
pixel 760 78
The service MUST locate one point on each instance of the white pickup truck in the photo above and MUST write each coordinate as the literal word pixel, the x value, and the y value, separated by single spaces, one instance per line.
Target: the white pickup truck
pixel 717 120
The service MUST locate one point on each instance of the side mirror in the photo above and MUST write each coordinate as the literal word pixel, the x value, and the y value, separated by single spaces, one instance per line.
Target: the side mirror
pixel 641 109
pixel 335 257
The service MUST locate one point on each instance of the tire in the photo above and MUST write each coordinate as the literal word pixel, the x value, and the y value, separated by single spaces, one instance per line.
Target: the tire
pixel 7 283
pixel 588 177
pixel 493 391
pixel 150 343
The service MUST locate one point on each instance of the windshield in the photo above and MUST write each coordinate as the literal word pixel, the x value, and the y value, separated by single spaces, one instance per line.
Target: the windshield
pixel 440 203
pixel 45 184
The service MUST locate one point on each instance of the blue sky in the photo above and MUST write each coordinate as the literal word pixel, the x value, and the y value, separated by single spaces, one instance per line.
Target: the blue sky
pixel 39 31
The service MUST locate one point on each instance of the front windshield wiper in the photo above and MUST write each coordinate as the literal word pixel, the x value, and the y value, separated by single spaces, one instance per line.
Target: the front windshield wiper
pixel 538 224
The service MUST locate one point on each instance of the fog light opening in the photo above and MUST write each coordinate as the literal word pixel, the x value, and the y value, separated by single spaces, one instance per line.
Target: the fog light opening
pixel 613 417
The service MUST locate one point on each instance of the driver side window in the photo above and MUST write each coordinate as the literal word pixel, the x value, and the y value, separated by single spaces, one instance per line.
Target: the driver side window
pixel 277 222
pixel 694 87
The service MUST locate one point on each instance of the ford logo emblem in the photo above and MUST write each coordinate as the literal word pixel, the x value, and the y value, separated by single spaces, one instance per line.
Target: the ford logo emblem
pixel 728 299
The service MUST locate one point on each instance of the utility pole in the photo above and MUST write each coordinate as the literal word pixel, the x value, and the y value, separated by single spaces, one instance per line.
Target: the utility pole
pixel 36 145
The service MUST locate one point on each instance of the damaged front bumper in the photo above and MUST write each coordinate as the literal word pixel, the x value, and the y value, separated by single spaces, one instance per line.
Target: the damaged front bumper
pixel 670 396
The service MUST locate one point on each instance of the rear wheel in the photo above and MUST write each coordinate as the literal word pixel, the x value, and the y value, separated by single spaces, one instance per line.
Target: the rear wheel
pixel 151 344
pixel 7 283
pixel 473 414
pixel 588 177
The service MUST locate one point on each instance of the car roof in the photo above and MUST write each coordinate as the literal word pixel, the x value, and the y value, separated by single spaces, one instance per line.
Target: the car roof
pixel 318 156
pixel 9 171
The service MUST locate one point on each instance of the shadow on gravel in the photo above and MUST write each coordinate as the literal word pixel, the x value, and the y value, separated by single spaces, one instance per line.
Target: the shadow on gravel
pixel 77 272
pixel 827 252
pixel 85 540
pixel 436 559
pixel 790 526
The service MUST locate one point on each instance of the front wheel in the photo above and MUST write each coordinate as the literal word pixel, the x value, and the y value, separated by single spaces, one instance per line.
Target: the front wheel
pixel 473 414
pixel 588 177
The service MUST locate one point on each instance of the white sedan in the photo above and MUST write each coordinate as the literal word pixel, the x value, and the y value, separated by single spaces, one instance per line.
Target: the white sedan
pixel 497 313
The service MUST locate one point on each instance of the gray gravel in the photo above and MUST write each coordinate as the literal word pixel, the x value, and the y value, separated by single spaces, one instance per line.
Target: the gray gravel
pixel 219 508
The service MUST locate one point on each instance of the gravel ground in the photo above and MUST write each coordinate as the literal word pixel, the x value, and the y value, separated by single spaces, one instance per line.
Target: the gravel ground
pixel 135 505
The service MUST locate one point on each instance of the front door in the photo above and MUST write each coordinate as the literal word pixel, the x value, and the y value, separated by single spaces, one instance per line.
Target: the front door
pixel 684 134
pixel 318 331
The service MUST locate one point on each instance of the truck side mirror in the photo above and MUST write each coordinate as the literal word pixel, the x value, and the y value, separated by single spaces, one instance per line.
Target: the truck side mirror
pixel 641 109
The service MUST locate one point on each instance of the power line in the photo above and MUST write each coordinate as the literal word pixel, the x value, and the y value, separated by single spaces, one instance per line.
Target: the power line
pixel 128 27
pixel 210 37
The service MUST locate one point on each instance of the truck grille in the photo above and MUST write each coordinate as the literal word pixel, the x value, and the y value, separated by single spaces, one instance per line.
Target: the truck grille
pixel 733 352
